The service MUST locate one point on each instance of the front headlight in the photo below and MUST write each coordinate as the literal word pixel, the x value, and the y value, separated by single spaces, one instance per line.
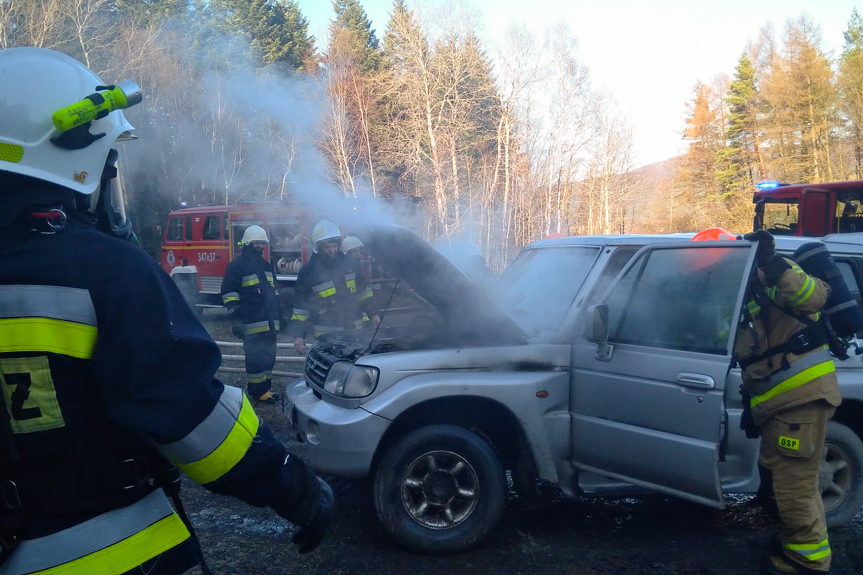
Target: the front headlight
pixel 348 380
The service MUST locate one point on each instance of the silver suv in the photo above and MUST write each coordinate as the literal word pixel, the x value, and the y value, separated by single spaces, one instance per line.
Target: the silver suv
pixel 601 365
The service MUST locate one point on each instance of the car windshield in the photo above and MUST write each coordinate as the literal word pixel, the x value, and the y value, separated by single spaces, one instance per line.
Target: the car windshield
pixel 539 285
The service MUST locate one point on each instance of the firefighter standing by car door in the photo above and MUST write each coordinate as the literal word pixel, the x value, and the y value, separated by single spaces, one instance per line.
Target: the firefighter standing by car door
pixel 790 384
pixel 249 293
pixel 332 294
pixel 107 376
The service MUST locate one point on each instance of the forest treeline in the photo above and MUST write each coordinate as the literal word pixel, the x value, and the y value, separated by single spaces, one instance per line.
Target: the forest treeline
pixel 504 144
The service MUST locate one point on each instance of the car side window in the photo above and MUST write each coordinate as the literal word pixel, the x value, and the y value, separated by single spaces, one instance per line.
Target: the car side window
pixel 679 298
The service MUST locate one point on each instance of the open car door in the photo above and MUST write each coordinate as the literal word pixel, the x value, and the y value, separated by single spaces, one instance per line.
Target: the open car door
pixel 649 371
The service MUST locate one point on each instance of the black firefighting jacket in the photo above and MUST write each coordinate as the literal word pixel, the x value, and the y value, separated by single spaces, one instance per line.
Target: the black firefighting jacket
pixel 249 293
pixel 331 297
pixel 106 376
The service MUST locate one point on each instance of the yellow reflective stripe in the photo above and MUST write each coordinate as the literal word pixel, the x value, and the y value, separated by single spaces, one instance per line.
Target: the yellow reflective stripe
pixel 325 289
pixel 250 280
pixel 256 378
pixel 803 294
pixel 229 452
pixel 114 542
pixel 352 285
pixel 299 317
pixel 795 381
pixel 270 278
pixel 810 551
pixel 47 335
pixel 230 296
pixel 129 553
pixel 367 293
pixel 327 293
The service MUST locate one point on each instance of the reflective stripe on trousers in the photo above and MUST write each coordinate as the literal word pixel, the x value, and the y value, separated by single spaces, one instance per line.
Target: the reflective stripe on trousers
pixel 111 543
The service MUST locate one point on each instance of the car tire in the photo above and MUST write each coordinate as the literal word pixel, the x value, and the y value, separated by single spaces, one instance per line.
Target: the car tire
pixel 840 477
pixel 841 474
pixel 439 489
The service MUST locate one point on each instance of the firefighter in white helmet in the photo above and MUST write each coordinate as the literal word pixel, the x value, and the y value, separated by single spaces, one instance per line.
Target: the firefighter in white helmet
pixel 332 294
pixel 353 246
pixel 249 294
pixel 108 379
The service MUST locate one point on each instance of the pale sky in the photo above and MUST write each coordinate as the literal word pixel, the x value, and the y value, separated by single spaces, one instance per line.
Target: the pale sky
pixel 648 53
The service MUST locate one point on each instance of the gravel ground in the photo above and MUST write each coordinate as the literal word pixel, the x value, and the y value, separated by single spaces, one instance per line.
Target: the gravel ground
pixel 653 535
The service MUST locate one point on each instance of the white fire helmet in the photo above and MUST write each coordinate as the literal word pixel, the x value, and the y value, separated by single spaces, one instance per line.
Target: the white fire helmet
pixel 325 230
pixel 351 243
pixel 34 84
pixel 254 234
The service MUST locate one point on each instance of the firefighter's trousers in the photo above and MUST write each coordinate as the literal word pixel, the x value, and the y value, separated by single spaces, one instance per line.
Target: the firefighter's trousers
pixel 260 352
pixel 791 445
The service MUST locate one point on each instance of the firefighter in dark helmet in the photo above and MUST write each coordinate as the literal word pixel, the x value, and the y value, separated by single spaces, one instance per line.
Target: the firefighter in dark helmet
pixel 790 393
pixel 107 376
pixel 249 293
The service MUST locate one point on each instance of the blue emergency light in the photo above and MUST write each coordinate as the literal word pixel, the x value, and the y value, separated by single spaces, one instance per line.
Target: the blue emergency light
pixel 769 184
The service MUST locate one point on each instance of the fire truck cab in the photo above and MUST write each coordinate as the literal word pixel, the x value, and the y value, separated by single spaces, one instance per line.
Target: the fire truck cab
pixel 813 210
pixel 199 242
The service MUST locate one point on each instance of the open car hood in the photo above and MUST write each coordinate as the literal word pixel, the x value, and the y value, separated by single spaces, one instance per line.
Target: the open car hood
pixel 469 317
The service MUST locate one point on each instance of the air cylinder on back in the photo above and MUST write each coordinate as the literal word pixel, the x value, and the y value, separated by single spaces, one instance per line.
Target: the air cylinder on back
pixel 844 313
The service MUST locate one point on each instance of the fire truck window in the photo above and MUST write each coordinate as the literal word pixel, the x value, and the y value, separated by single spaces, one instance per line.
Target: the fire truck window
pixel 212 228
pixel 781 218
pixel 175 230
pixel 189 228
pixel 849 216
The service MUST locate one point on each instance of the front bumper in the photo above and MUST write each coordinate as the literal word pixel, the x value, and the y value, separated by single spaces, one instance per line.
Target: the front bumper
pixel 341 441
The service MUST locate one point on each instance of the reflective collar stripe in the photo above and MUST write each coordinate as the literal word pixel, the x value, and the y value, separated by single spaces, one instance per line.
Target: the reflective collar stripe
pixel 47 335
pixel 230 296
pixel 250 280
pixel 219 442
pixel 795 381
pixel 112 543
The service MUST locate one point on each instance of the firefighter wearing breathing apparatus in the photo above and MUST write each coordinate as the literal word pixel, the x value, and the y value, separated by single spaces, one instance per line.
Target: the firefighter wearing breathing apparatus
pixel 790 392
pixel 332 294
pixel 249 294
pixel 108 381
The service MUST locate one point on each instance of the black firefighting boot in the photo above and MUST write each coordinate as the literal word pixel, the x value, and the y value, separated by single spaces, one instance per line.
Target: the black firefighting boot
pixel 776 564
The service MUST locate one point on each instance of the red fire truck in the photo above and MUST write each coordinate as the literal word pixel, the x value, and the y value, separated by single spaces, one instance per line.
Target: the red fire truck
pixel 809 209
pixel 198 243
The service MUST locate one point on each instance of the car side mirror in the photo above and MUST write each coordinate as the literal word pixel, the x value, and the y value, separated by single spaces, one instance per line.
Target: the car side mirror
pixel 597 330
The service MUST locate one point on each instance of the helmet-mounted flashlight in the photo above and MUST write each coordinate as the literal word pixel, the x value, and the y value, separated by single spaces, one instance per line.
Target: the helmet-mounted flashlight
pixel 97 105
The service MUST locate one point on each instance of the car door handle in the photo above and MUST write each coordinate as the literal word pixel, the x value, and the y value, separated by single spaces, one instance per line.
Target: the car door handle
pixel 696 380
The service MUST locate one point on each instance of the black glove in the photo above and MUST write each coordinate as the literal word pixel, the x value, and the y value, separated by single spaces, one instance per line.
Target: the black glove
pixel 238 330
pixel 308 505
pixel 747 424
pixel 766 245
pixel 309 536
